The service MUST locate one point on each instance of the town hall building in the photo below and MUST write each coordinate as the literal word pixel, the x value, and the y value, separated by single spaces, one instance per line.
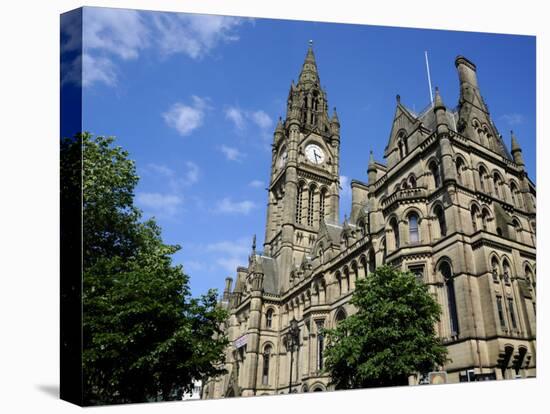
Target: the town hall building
pixel 450 203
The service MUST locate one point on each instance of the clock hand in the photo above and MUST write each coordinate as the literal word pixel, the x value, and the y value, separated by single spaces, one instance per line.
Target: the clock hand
pixel 315 155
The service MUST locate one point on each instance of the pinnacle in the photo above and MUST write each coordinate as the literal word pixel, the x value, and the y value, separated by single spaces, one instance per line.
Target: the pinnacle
pixel 515 144
pixel 438 101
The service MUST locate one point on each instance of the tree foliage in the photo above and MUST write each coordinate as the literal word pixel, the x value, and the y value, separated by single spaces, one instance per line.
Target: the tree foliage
pixel 390 337
pixel 144 337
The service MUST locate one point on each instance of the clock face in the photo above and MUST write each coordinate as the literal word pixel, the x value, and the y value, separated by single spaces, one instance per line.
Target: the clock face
pixel 282 159
pixel 315 154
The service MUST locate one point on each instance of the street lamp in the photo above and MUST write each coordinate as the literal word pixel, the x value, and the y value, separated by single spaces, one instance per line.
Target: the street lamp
pixel 292 339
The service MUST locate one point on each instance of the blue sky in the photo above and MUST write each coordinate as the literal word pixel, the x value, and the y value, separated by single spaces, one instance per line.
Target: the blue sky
pixel 195 99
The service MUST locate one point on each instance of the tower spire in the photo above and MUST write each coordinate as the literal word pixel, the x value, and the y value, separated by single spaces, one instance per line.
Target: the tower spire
pixel 309 74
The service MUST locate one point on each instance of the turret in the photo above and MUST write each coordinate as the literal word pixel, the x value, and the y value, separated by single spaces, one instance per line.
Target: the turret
pixel 371 170
pixel 335 125
pixel 446 154
pixel 516 151
pixel 440 113
pixel 227 290
pixel 466 71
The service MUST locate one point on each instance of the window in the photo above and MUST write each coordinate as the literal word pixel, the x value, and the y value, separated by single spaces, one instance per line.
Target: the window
pixel 517 229
pixel 395 229
pixel 500 312
pixel 372 261
pixel 474 212
pixel 310 206
pixel 445 270
pixel 506 271
pixel 485 219
pixel 434 169
pixel 528 275
pixel 265 370
pixel 414 236
pixel 417 271
pixel 299 197
pixel 512 313
pixel 496 184
pixel 322 197
pixel 320 346
pixel 440 214
pixel 482 175
pixel 516 195
pixel 412 181
pixel 269 318
pixel 495 269
pixel 340 316
pixel 459 167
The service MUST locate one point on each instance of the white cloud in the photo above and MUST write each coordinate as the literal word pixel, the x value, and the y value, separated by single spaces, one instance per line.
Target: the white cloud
pixel 226 205
pixel 241 118
pixel 97 69
pixel 186 118
pixel 192 173
pixel 174 180
pixel 231 153
pixel 345 187
pixel 261 119
pixel 513 118
pixel 256 184
pixel 192 34
pixel 120 32
pixel 236 116
pixel 159 204
pixel 230 254
pixel 110 33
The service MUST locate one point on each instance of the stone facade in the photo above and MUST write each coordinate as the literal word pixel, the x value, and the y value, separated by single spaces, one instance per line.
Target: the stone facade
pixel 450 203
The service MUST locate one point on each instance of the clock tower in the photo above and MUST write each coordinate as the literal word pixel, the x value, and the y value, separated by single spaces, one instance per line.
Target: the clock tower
pixel 304 184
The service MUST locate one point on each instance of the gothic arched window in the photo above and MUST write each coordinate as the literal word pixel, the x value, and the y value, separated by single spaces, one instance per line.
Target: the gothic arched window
pixel 474 212
pixel 440 215
pixel 412 181
pixel 446 272
pixel 506 270
pixel 495 269
pixel 485 219
pixel 434 169
pixel 516 195
pixel 395 229
pixel 517 230
pixel 496 184
pixel 482 176
pixel 372 261
pixel 266 360
pixel 299 201
pixel 269 318
pixel 322 196
pixel 340 316
pixel 528 275
pixel 310 206
pixel 459 168
pixel 414 235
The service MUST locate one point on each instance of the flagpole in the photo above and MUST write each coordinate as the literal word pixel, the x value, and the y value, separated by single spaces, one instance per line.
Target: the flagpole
pixel 429 78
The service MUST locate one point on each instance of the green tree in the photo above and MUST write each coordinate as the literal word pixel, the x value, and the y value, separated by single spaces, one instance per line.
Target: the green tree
pixel 145 338
pixel 390 337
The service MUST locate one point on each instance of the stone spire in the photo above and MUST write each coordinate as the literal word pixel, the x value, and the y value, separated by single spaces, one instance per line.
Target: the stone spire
pixel 371 170
pixel 334 119
pixel 438 101
pixel 309 74
pixel 516 151
pixel 440 113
